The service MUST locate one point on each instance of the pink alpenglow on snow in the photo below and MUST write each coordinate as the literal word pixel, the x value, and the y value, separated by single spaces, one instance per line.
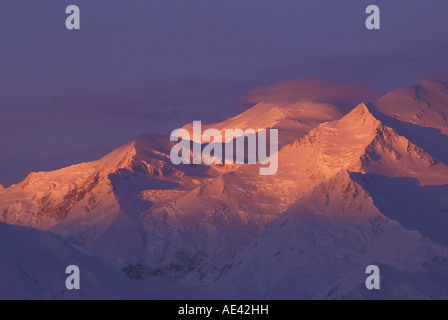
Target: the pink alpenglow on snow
pixel 219 141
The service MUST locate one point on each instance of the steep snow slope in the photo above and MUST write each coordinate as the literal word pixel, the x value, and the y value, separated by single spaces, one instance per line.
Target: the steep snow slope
pixel 45 198
pixel 425 105
pixel 428 282
pixel 292 120
pixel 33 264
pixel 361 142
pixel 333 231
pixel 414 206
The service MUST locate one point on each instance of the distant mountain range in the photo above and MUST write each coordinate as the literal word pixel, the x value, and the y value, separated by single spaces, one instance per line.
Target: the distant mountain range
pixel 367 187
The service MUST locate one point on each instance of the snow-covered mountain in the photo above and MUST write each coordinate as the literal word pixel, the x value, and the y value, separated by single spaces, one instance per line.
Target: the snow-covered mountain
pixel 33 265
pixel 293 120
pixel 368 187
pixel 425 105
pixel 381 200
pixel 321 246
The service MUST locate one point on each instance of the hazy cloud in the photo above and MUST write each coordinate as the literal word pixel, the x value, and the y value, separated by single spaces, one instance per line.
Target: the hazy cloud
pixel 344 95
pixel 434 76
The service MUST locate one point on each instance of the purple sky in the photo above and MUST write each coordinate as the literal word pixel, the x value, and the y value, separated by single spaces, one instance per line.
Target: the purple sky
pixel 143 66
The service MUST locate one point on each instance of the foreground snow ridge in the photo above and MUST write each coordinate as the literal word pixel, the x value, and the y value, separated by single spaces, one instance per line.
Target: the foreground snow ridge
pixel 366 188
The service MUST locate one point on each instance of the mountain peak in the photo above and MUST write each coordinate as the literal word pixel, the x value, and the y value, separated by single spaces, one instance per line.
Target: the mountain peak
pixel 425 105
pixel 145 151
pixel 359 125
pixel 362 142
pixel 362 112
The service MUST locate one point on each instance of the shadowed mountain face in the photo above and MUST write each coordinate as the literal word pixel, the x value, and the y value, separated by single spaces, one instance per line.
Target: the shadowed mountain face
pixel 415 207
pixel 33 265
pixel 368 187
